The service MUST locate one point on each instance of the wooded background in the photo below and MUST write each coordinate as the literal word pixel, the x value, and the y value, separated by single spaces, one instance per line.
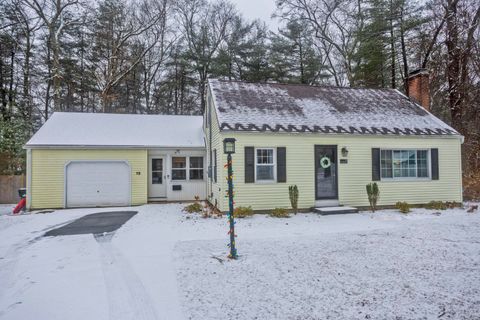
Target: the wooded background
pixel 155 56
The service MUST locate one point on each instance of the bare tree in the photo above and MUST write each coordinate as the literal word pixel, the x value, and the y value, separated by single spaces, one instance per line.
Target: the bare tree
pixel 28 26
pixel 154 59
pixel 56 16
pixel 336 24
pixel 115 35
pixel 206 26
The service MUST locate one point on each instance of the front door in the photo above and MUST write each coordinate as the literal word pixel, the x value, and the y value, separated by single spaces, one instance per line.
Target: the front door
pixel 326 172
pixel 156 179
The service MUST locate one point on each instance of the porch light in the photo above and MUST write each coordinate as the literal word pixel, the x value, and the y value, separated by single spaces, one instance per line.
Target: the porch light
pixel 344 152
pixel 229 149
pixel 229 145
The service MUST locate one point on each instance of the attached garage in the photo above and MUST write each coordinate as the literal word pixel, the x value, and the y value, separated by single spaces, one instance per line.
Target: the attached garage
pixel 98 160
pixel 97 183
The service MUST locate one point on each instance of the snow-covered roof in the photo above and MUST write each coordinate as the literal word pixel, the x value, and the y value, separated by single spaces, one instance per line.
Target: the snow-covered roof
pixel 119 130
pixel 243 106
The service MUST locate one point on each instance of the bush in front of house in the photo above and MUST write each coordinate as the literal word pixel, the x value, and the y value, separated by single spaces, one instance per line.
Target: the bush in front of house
pixel 193 208
pixel 243 212
pixel 293 194
pixel 402 206
pixel 279 213
pixel 373 194
pixel 453 204
pixel 436 205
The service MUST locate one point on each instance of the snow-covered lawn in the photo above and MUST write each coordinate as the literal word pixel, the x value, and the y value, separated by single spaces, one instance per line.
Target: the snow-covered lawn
pixel 6 208
pixel 164 264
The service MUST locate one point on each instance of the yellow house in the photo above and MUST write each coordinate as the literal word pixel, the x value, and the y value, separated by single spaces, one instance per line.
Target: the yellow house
pixel 330 142
pixel 90 160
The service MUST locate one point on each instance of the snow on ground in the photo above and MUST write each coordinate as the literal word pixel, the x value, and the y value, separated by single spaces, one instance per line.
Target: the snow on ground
pixel 411 272
pixel 6 208
pixel 159 265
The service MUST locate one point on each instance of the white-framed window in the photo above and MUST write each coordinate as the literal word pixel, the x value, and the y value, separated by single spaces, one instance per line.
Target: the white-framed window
pixel 179 168
pixel 157 170
pixel 405 163
pixel 192 165
pixel 196 168
pixel 265 164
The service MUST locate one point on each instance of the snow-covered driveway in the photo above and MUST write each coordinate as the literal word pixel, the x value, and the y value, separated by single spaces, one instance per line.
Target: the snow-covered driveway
pixel 159 265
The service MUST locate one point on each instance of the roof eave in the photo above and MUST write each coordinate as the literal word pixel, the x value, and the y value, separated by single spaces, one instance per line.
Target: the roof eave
pixel 431 136
pixel 85 146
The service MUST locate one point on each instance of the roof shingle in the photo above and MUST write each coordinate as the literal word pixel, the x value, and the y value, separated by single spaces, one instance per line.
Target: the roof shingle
pixel 243 106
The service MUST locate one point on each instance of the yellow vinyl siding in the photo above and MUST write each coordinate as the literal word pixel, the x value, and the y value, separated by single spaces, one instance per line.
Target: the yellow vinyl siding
pixel 217 144
pixel 48 170
pixel 352 177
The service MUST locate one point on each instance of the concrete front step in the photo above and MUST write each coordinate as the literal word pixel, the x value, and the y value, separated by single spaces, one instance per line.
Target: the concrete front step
pixel 335 210
pixel 326 203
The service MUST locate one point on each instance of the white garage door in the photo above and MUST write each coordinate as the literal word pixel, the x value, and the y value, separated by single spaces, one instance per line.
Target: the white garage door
pixel 97 183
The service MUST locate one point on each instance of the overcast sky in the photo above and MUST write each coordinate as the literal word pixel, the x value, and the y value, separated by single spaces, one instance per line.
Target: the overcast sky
pixel 258 9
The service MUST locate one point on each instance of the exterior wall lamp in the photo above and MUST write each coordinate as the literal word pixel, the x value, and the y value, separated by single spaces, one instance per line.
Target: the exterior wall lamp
pixel 229 145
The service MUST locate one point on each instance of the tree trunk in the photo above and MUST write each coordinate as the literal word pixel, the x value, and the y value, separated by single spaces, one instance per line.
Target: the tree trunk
pixel 49 81
pixel 302 71
pixel 404 54
pixel 176 85
pixel 453 66
pixel 201 87
pixel 82 76
pixel 10 88
pixel 3 91
pixel 392 48
pixel 56 71
pixel 26 99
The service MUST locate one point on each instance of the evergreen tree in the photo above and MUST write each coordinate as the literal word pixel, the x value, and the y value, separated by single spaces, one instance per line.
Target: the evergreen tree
pixel 294 56
pixel 373 49
pixel 254 62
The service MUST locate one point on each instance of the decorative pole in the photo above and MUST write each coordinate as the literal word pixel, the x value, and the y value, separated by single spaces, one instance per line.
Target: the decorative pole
pixel 229 148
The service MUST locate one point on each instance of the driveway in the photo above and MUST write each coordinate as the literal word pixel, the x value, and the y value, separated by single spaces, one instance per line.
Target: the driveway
pixel 95 223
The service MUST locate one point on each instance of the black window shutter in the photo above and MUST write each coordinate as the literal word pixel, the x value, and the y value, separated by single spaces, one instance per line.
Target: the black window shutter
pixel 249 164
pixel 281 164
pixel 215 165
pixel 375 164
pixel 434 163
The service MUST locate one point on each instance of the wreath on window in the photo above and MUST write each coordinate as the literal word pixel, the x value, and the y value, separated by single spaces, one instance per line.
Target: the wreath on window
pixel 325 162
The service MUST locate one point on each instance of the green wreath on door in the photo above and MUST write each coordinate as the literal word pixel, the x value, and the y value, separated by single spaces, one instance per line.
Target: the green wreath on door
pixel 325 162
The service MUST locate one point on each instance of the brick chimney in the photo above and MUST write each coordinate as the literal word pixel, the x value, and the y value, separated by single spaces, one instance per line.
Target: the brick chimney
pixel 418 87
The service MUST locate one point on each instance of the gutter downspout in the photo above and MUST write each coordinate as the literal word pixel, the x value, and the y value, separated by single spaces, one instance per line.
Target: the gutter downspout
pixel 209 121
pixel 29 179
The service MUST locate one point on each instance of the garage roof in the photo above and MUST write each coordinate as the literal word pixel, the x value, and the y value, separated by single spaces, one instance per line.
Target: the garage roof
pixel 71 129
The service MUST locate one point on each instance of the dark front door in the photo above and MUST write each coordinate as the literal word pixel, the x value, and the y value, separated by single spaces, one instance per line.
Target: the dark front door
pixel 326 172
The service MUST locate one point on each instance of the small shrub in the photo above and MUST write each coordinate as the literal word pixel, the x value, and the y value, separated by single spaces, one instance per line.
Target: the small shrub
pixel 373 194
pixel 293 194
pixel 193 208
pixel 436 205
pixel 453 204
pixel 243 212
pixel 403 207
pixel 206 210
pixel 440 205
pixel 279 213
